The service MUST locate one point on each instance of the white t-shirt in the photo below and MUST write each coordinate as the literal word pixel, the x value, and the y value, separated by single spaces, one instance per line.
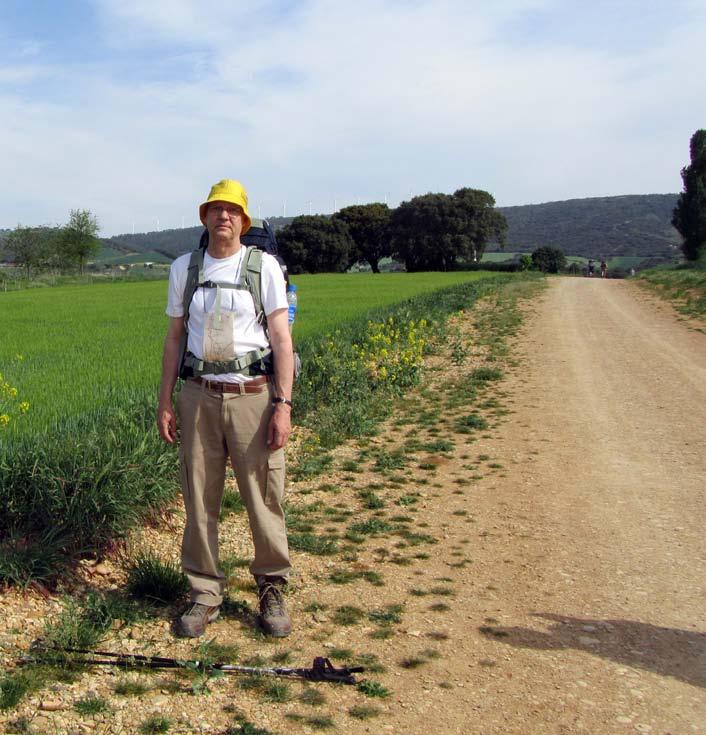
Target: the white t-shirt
pixel 248 335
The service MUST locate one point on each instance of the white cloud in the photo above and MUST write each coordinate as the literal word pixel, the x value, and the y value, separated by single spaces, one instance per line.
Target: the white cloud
pixel 328 101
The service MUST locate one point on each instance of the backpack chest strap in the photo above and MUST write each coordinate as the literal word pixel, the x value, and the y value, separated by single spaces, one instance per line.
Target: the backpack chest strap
pixel 248 280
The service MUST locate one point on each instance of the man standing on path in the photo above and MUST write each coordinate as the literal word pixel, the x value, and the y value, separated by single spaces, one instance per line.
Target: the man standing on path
pixel 235 402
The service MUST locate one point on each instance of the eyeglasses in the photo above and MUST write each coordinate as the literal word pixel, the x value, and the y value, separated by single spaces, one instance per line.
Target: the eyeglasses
pixel 218 210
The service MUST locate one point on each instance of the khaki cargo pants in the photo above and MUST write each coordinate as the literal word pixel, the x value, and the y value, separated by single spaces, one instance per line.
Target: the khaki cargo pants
pixel 213 427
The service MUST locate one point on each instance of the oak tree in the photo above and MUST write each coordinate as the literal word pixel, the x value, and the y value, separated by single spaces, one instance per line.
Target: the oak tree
pixel 315 244
pixel 435 231
pixel 368 225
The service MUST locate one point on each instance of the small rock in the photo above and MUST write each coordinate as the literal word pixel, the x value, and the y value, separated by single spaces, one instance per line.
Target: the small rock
pixel 101 569
pixel 623 720
pixel 51 705
pixel 414 633
pixel 640 727
pixel 584 640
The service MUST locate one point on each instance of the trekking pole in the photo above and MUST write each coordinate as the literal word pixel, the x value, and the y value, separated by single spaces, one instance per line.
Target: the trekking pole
pixel 321 670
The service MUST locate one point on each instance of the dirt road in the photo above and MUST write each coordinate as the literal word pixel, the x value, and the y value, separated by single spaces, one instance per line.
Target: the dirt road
pixel 544 575
pixel 591 574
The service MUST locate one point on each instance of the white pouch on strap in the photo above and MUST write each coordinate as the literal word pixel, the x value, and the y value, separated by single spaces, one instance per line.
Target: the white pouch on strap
pixel 219 333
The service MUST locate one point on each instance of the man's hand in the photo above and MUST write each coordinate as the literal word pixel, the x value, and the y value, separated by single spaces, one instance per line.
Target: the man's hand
pixel 280 427
pixel 166 418
pixel 281 341
pixel 166 423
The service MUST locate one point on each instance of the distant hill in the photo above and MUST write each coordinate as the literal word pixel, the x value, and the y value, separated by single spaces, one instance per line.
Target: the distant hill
pixel 631 225
pixel 598 227
pixel 170 243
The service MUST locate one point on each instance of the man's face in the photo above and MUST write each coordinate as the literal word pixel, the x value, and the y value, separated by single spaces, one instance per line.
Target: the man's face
pixel 224 221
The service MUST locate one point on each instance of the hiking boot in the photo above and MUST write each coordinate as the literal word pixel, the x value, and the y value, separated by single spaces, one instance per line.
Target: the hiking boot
pixel 192 624
pixel 274 617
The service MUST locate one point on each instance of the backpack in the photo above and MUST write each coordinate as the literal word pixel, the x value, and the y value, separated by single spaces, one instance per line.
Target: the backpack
pixel 258 239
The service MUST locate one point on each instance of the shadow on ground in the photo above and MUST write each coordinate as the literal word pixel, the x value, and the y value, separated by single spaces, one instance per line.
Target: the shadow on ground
pixel 665 651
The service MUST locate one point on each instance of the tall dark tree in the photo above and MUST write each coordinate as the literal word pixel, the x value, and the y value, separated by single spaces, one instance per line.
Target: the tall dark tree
pixel 548 260
pixel 30 247
pixel 480 222
pixel 435 231
pixel 78 237
pixel 315 244
pixel 690 213
pixel 368 225
pixel 424 234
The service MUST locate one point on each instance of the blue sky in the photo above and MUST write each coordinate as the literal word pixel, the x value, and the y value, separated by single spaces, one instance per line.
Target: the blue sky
pixel 133 109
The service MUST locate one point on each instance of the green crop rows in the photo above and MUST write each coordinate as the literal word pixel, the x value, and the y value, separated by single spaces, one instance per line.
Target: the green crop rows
pixel 80 459
pixel 69 350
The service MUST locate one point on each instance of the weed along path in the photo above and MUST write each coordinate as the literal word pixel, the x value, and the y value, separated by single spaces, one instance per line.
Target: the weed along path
pixel 518 549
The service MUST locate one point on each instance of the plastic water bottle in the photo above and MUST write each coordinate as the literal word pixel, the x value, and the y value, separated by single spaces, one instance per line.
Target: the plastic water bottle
pixel 292 302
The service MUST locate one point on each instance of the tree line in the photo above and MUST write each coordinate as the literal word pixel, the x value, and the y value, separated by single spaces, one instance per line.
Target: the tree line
pixel 429 232
pixel 66 247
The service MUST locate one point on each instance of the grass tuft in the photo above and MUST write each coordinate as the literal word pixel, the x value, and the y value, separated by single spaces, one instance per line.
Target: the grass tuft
pixel 231 503
pixel 13 688
pixel 312 697
pixel 469 423
pixel 130 688
pixel 364 712
pixel 155 724
pixel 312 543
pixel 373 689
pixel 91 705
pixel 486 374
pixel 348 615
pixel 151 578
pixel 276 692
pixel 371 527
pixel 319 722
pixel 387 616
pixel 244 727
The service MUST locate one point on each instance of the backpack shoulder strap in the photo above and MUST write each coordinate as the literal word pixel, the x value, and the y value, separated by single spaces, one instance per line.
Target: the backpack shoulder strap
pixel 194 276
pixel 251 278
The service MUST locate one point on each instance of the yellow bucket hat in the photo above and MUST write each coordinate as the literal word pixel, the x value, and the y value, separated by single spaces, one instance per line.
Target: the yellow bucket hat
pixel 233 192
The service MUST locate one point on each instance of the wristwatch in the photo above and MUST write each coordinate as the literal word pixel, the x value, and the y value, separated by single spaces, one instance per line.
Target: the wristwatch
pixel 280 399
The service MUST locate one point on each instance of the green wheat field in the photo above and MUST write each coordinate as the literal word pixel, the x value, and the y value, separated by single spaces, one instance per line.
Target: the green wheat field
pixel 73 349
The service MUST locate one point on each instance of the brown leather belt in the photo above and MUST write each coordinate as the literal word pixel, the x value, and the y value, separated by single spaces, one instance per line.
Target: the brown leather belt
pixel 256 385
